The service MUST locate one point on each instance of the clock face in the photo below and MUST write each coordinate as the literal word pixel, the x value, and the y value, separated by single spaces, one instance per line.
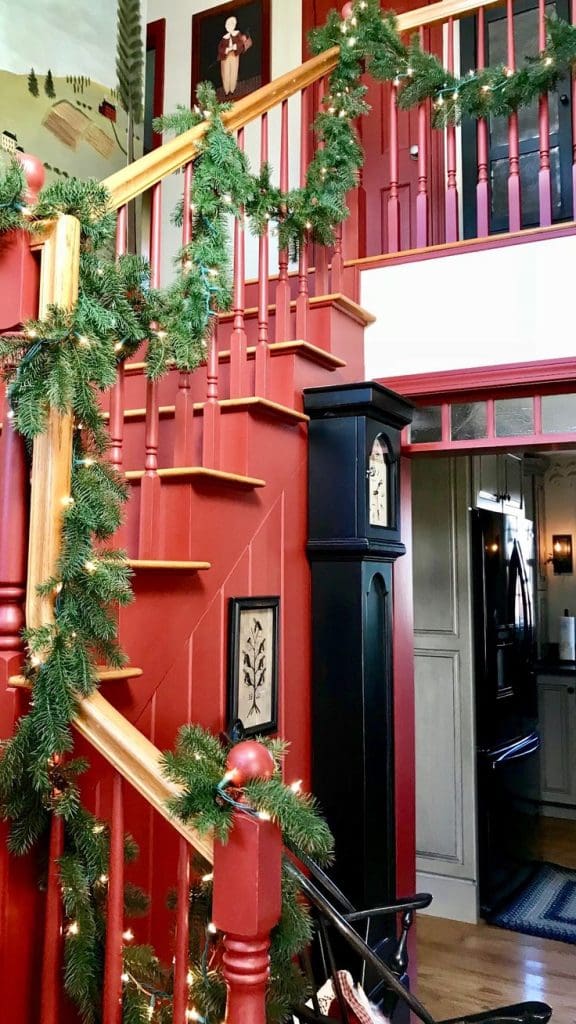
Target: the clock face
pixel 378 484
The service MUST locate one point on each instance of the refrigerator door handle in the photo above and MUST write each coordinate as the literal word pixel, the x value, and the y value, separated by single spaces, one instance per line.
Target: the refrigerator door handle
pixel 518 751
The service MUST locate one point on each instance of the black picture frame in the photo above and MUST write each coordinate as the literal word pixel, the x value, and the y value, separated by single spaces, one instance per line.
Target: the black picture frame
pixel 253 635
pixel 208 28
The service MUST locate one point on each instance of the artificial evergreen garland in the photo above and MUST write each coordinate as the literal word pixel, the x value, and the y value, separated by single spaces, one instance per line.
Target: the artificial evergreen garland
pixel 66 360
pixel 370 36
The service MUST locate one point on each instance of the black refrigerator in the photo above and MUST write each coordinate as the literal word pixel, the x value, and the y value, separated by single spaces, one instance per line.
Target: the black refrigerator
pixel 507 733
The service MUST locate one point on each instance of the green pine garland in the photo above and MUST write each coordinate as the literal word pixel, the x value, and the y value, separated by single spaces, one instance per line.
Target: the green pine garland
pixel 67 360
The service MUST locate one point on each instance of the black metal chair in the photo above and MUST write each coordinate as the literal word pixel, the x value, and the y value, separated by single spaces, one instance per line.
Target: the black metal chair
pixel 380 968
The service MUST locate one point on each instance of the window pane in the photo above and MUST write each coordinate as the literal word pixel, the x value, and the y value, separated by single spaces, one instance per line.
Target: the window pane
pixel 529 167
pixel 558 414
pixel 427 424
pixel 514 416
pixel 468 420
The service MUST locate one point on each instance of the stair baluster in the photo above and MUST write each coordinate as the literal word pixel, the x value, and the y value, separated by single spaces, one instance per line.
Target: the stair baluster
pixel 482 144
pixel 113 961
pixel 422 194
pixel 184 411
pixel 451 156
pixel 393 163
pixel 211 417
pixel 117 395
pixel 544 178
pixel 573 104
pixel 51 985
pixel 337 262
pixel 262 356
pixel 303 298
pixel 283 330
pixel 182 935
pixel 321 278
pixel 238 341
pixel 150 487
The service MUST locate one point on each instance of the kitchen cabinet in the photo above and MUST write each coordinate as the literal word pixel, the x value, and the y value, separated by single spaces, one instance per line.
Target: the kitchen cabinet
pixel 498 482
pixel 557 713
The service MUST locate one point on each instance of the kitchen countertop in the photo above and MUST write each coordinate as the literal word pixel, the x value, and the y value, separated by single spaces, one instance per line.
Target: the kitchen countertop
pixel 556 668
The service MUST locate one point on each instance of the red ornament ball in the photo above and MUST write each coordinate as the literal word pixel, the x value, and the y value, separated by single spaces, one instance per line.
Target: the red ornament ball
pixel 347 11
pixel 250 760
pixel 33 172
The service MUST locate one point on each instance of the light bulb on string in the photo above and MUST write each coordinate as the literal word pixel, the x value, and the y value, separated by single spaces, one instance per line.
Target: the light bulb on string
pixel 352 41
pixel 90 567
pixel 67 501
pixel 32 333
pixel 10 414
pixel 118 346
pixel 211 928
pixel 83 341
pixel 296 786
pixel 73 928
pixel 128 935
pixel 124 977
pixel 208 877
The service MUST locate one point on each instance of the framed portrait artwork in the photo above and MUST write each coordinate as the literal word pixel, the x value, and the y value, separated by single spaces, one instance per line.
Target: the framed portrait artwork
pixel 253 664
pixel 231 48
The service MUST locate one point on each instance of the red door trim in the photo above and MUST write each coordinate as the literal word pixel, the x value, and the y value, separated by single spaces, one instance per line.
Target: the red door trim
pixel 156 40
pixel 545 374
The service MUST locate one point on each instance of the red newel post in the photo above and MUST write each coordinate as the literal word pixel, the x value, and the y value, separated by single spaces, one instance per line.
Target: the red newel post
pixel 247 895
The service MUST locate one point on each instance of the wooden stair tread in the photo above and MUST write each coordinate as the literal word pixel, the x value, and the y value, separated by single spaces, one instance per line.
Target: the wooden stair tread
pixel 337 299
pixel 149 563
pixel 202 475
pixel 104 675
pixel 263 406
pixel 140 414
pixel 311 352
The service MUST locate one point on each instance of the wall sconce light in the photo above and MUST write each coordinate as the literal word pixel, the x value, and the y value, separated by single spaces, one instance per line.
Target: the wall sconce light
pixel 562 553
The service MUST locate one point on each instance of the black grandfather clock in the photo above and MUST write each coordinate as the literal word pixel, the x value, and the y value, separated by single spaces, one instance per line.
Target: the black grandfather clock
pixel 354 539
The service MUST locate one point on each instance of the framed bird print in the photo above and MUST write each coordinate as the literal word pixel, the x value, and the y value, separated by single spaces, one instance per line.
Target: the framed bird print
pixel 231 48
pixel 253 664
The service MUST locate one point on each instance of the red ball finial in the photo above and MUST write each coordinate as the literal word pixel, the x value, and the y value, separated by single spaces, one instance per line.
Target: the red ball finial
pixel 347 11
pixel 249 760
pixel 34 173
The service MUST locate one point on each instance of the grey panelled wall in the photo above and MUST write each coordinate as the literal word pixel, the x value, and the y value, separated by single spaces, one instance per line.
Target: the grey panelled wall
pixel 445 757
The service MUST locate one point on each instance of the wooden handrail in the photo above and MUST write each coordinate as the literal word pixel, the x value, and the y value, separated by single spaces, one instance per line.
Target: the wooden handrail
pixel 131 181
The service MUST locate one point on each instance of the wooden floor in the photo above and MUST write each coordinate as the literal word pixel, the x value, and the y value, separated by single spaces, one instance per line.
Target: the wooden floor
pixel 464 968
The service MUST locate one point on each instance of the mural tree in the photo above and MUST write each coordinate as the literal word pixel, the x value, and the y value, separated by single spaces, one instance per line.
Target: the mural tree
pixel 130 72
pixel 33 83
pixel 49 85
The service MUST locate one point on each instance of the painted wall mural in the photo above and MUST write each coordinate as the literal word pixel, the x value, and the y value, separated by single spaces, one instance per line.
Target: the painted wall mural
pixel 71 83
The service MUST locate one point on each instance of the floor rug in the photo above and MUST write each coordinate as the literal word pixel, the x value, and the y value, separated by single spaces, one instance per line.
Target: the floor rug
pixel 545 906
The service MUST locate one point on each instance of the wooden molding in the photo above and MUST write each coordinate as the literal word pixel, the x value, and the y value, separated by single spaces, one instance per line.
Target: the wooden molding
pixel 147 563
pixel 200 474
pixel 52 454
pixel 262 406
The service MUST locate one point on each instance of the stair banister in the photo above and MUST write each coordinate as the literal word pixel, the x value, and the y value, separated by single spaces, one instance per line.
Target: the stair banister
pixel 119 742
pixel 131 181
